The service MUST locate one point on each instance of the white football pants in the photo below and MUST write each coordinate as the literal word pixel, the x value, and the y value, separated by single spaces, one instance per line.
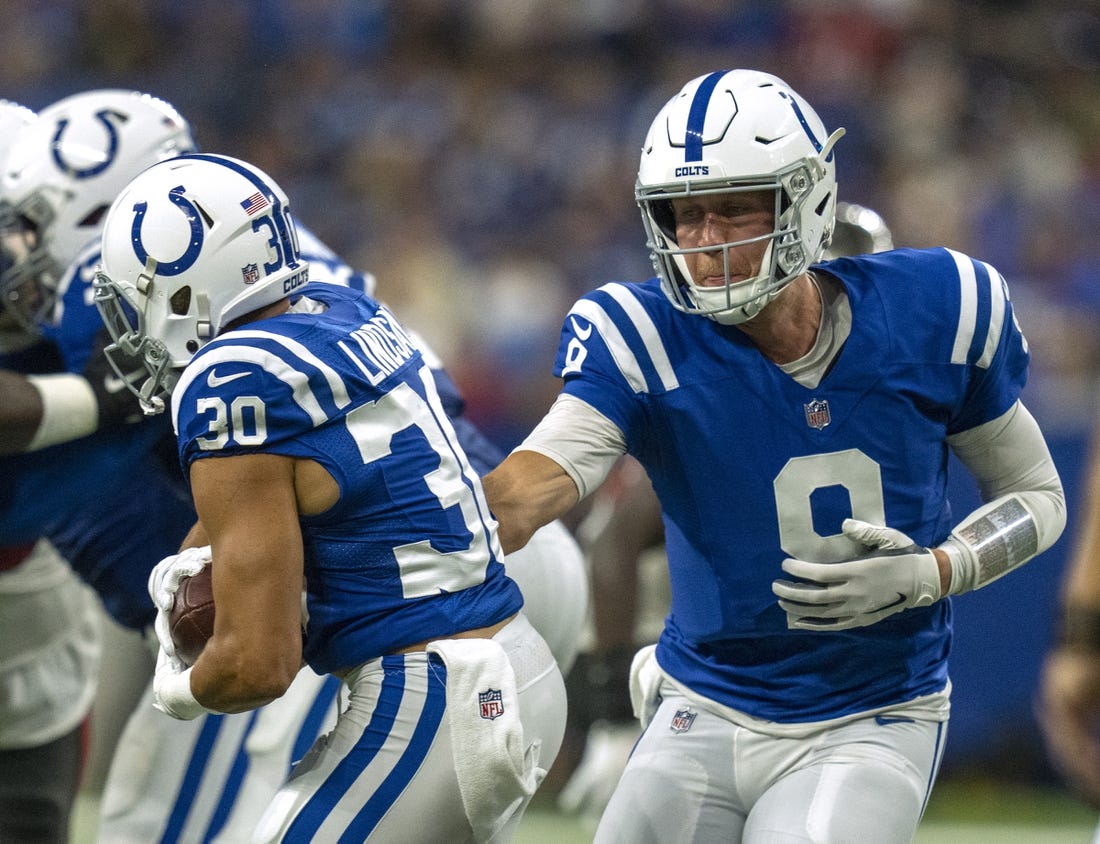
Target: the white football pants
pixel 697 777
pixel 447 744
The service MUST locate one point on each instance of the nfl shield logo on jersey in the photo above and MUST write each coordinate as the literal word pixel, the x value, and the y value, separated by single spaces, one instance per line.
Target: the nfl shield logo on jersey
pixel 682 720
pixel 492 703
pixel 817 414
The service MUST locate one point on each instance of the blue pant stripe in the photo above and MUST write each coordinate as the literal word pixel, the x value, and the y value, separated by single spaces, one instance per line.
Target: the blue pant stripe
pixel 196 768
pixel 311 726
pixel 435 704
pixel 232 787
pixel 304 827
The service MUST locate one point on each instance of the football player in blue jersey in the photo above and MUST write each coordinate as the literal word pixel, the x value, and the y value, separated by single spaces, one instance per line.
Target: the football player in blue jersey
pixel 75 440
pixel 795 419
pixel 49 637
pixel 319 455
pixel 622 534
pixel 67 406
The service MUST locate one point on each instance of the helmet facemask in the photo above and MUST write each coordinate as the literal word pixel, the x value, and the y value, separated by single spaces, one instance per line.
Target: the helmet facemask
pixel 29 275
pixel 737 132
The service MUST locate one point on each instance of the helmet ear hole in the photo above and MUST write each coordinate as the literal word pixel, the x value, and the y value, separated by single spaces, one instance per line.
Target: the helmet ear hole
pixel 180 302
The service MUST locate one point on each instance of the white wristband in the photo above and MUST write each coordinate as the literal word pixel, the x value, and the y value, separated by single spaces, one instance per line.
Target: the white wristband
pixel 172 695
pixel 69 409
pixel 989 543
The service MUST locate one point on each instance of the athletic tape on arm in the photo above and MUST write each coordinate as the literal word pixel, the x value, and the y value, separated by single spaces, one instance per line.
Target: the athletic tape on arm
pixel 1025 511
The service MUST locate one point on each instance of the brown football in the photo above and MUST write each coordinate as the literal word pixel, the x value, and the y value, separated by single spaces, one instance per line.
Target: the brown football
pixel 191 620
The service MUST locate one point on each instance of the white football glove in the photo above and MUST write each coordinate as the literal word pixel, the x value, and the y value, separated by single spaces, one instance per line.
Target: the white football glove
pixel 895 575
pixel 172 689
pixel 164 580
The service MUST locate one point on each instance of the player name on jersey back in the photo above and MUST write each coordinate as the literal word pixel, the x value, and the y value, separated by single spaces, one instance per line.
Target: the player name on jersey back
pixel 381 347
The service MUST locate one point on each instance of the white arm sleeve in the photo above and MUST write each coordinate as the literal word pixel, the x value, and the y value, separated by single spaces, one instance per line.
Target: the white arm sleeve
pixel 1025 509
pixel 578 438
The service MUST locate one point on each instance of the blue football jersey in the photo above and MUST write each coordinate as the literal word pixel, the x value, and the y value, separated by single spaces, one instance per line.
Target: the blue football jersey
pixel 410 551
pixel 751 467
pixel 111 502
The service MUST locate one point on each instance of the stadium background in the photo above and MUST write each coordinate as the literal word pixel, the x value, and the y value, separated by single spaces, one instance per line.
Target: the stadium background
pixel 479 155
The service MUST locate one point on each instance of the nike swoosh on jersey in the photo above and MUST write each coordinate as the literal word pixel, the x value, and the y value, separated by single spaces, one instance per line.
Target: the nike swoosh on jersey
pixel 213 380
pixel 583 334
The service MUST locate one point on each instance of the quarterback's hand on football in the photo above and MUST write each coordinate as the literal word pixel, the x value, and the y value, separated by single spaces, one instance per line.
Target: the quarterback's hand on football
pixel 894 575
pixel 164 580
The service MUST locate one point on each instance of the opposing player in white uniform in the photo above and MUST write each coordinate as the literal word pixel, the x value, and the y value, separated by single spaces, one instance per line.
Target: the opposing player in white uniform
pixel 318 453
pixel 795 420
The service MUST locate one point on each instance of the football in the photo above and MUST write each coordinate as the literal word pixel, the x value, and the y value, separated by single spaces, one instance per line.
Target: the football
pixel 191 619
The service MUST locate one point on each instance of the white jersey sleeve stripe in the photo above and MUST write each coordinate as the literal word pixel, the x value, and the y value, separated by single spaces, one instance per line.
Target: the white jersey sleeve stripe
pixel 620 351
pixel 335 382
pixel 648 332
pixel 996 316
pixel 298 381
pixel 968 310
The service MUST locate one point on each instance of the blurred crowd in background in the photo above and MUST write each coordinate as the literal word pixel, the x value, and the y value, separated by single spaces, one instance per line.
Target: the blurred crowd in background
pixel 479 155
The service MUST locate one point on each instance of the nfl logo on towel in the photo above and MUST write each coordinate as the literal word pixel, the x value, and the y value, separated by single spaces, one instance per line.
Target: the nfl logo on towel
pixel 492 703
pixel 817 413
pixel 682 721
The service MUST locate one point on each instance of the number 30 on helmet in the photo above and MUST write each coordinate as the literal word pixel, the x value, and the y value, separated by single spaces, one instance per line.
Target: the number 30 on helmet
pixel 189 246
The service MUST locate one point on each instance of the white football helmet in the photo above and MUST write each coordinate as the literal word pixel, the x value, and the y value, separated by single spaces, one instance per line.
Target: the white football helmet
pixel 189 246
pixel 859 231
pixel 13 119
pixel 63 172
pixel 738 131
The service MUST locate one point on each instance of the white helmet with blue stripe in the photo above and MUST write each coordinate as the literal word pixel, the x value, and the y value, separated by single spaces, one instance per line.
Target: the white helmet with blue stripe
pixel 738 131
pixel 189 246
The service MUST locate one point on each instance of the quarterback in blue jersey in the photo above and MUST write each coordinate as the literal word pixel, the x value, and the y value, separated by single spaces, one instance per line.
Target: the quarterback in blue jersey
pixel 795 419
pixel 320 457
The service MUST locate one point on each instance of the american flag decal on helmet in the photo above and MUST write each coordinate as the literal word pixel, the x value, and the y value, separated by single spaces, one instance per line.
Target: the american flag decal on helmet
pixel 255 203
pixel 491 702
pixel 817 413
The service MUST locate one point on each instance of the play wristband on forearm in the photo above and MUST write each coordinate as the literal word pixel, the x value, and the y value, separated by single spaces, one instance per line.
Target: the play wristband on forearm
pixel 991 542
pixel 69 409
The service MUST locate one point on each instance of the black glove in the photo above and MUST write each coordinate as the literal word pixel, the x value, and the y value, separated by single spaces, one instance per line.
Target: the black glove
pixel 116 403
pixel 598 687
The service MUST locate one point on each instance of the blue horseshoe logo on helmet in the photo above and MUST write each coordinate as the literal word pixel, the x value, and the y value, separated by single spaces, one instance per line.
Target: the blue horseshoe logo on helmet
pixel 86 173
pixel 194 243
